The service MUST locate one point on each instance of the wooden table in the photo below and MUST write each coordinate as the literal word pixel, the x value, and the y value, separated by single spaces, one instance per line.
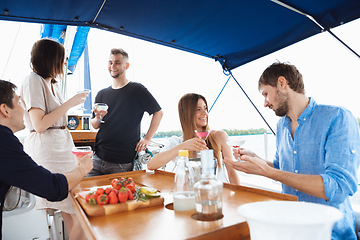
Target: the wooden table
pixel 161 222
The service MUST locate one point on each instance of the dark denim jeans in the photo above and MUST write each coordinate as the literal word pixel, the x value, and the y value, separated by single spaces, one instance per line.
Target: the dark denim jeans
pixel 101 167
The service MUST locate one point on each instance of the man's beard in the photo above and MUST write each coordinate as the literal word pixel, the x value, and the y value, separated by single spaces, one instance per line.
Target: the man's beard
pixel 117 75
pixel 283 107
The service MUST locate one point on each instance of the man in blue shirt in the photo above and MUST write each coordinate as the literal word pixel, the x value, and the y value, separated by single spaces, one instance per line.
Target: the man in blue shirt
pixel 17 168
pixel 317 147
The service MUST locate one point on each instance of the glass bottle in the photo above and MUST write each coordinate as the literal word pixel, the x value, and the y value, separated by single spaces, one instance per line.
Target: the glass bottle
pixel 183 192
pixel 208 191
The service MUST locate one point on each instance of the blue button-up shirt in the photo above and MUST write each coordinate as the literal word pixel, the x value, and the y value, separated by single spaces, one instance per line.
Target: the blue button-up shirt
pixel 326 143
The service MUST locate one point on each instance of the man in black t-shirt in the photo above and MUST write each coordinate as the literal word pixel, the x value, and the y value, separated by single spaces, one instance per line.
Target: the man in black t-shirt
pixel 118 138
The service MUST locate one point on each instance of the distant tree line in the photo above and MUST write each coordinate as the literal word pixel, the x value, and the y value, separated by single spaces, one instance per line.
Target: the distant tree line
pixel 168 134
pixel 251 131
pixel 358 121
pixel 231 132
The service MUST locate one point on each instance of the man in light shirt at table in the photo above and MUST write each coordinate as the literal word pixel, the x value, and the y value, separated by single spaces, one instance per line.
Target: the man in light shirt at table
pixel 317 147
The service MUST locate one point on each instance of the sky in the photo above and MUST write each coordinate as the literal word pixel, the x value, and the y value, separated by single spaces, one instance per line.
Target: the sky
pixel 330 72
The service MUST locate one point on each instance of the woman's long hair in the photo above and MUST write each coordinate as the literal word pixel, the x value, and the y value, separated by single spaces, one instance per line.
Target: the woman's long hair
pixel 47 59
pixel 187 113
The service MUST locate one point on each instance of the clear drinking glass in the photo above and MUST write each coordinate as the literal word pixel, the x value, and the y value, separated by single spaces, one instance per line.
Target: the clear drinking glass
pixel 82 105
pixel 235 142
pixel 101 107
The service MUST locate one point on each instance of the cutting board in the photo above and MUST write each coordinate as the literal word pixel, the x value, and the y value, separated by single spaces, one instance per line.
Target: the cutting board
pixel 129 205
pixel 102 210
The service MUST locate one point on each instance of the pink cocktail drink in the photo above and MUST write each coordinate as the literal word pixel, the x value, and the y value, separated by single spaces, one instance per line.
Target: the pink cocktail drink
pixel 202 134
pixel 81 151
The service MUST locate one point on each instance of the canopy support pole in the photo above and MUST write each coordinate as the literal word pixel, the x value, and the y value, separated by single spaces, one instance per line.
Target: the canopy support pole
pixel 316 22
pixel 87 79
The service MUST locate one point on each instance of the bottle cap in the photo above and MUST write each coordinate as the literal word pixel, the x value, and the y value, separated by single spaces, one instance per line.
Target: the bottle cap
pixel 183 153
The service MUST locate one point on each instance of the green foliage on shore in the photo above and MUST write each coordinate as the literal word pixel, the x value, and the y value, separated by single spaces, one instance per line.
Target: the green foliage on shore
pixel 358 121
pixel 167 134
pixel 251 131
pixel 231 132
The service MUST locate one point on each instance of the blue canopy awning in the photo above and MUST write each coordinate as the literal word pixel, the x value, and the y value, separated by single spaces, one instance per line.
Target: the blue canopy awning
pixel 232 31
pixel 55 32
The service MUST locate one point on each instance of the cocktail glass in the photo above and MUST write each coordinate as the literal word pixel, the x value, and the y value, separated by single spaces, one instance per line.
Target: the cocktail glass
pixel 82 105
pixel 101 107
pixel 202 134
pixel 81 151
pixel 235 142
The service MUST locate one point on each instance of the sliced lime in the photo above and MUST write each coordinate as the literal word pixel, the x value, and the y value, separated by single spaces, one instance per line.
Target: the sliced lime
pixel 148 190
pixel 153 195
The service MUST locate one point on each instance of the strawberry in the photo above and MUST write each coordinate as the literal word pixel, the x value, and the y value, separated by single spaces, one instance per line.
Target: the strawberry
pixel 100 191
pixel 92 199
pixel 88 196
pixel 130 194
pixel 113 199
pixel 102 199
pixel 108 190
pixel 123 195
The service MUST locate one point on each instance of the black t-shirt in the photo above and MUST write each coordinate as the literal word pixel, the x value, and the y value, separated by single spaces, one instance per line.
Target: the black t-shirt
pixel 117 137
pixel 19 170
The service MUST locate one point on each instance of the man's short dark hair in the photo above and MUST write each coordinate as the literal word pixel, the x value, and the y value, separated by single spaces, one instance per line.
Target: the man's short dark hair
pixel 7 90
pixel 116 51
pixel 289 72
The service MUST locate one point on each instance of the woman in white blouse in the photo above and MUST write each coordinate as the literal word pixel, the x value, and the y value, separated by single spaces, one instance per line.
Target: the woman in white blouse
pixel 49 142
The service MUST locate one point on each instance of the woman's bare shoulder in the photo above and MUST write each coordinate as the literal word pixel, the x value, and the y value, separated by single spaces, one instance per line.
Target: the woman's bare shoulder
pixel 219 135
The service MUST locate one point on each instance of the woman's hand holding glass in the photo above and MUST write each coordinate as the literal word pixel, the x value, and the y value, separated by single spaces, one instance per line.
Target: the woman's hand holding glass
pixel 82 104
pixel 77 99
pixel 194 144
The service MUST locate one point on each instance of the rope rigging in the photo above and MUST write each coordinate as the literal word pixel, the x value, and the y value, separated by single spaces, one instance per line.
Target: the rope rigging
pixel 2 77
pixel 220 91
pixel 228 72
